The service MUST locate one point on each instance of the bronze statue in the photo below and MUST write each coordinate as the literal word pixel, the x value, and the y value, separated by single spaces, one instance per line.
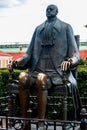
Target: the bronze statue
pixel 52 51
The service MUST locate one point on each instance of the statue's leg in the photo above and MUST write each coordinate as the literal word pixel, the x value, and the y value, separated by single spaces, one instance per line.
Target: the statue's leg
pixel 42 102
pixel 42 93
pixel 23 93
pixel 24 82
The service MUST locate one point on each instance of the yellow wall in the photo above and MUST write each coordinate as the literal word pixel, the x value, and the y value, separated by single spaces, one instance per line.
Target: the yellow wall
pixel 4 61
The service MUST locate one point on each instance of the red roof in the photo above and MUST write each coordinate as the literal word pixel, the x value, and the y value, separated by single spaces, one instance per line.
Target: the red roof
pixel 4 54
pixel 83 54
pixel 16 55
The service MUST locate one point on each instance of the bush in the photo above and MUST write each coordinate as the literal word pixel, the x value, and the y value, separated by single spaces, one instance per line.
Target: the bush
pixel 81 79
pixel 83 61
pixel 4 80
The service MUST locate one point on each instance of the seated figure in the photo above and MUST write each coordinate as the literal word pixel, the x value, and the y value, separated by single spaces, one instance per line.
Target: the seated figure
pixel 52 51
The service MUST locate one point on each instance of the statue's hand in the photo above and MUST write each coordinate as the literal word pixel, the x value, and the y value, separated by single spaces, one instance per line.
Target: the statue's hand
pixel 65 65
pixel 11 65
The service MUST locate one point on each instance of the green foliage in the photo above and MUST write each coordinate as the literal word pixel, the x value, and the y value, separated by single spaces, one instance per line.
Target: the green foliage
pixel 4 80
pixel 83 61
pixel 82 69
pixel 81 79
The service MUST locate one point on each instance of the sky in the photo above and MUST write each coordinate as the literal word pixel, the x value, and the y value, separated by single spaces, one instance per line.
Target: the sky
pixel 19 18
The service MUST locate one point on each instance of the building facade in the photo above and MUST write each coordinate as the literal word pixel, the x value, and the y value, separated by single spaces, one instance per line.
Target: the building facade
pixel 4 59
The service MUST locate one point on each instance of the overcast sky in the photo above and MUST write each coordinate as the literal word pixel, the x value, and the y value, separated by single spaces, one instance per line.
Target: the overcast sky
pixel 18 18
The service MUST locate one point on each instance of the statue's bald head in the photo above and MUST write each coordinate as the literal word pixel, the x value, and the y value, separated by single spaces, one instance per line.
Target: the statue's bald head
pixel 51 10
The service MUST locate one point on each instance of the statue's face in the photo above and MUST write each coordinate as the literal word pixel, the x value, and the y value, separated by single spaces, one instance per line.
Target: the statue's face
pixel 51 11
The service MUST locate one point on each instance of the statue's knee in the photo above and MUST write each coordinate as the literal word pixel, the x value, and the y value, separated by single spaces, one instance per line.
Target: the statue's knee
pixel 43 81
pixel 23 80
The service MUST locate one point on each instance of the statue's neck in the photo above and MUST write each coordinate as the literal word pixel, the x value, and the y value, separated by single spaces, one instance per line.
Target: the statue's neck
pixel 51 19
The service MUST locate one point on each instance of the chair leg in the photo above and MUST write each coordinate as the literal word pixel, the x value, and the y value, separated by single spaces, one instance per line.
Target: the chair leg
pixel 65 108
pixel 65 103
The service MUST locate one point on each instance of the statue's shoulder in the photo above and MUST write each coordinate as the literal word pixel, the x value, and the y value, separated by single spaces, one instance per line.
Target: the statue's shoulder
pixel 64 24
pixel 41 27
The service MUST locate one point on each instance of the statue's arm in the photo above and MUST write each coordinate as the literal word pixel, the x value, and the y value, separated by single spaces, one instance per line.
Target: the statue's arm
pixel 73 56
pixel 73 52
pixel 24 61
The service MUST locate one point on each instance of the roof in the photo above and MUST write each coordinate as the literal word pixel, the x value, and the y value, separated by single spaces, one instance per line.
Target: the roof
pixel 83 54
pixel 16 55
pixel 4 54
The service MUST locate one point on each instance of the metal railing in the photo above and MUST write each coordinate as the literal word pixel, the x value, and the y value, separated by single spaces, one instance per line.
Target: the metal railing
pixel 15 123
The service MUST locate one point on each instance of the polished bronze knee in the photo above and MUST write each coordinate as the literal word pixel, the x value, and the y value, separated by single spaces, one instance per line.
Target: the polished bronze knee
pixel 23 80
pixel 43 82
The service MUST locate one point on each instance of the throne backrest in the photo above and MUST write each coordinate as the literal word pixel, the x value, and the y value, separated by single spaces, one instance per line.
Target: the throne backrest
pixel 74 70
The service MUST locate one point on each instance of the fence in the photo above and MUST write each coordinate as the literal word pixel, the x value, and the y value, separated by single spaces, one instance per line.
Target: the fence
pixel 16 123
